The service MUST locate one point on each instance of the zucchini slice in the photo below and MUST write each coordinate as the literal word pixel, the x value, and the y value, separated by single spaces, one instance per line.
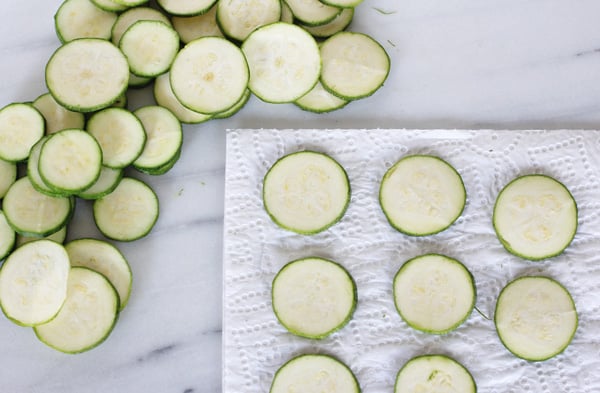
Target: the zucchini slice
pixel 8 175
pixel 313 297
pixel 164 137
pixel 21 127
pixel 33 282
pixel 70 161
pixel 284 62
pixel 312 12
pixel 306 192
pixel 58 237
pixel 535 317
pixel 314 373
pixel 31 213
pixel 422 195
pixel 7 237
pixel 209 75
pixel 87 74
pixel 107 181
pixel 434 373
pixel 186 8
pixel 339 23
pixel 103 258
pixel 57 117
pixel 120 134
pixel 434 293
pixel 319 100
pixel 354 65
pixel 83 19
pixel 150 47
pixel 133 15
pixel 238 18
pixel 164 96
pixel 535 217
pixel 234 109
pixel 87 317
pixel 109 5
pixel 190 28
pixel 128 213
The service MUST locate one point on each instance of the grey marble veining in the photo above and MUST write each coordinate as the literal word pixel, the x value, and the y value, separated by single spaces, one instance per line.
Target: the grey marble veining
pixel 455 64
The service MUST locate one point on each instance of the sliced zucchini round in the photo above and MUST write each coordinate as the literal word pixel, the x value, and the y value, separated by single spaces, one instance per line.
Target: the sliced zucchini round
pixel 313 297
pixel 422 195
pixel 535 317
pixel 238 18
pixel 87 317
pixel 164 96
pixel 535 217
pixel 120 134
pixel 57 117
pixel 434 373
pixel 190 28
pixel 186 8
pixel 7 237
pixel 312 12
pixel 58 237
pixel 434 293
pixel 150 47
pixel 133 15
pixel 164 137
pixel 31 213
pixel 284 62
pixel 33 282
pixel 21 126
pixel 131 3
pixel 306 192
pixel 87 74
pixel 339 23
pixel 8 175
pixel 319 100
pixel 103 258
pixel 314 373
pixel 354 65
pixel 128 213
pixel 346 4
pixel 209 75
pixel 109 5
pixel 107 181
pixel 234 109
pixel 33 172
pixel 83 19
pixel 286 13
pixel 70 161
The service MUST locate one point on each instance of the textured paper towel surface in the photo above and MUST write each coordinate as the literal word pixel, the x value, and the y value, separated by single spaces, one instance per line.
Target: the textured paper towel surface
pixel 376 342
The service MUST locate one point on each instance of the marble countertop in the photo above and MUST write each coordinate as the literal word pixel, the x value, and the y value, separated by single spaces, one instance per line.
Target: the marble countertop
pixel 515 64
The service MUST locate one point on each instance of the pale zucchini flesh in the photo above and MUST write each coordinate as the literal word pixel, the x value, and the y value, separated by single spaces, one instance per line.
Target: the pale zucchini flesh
pixel 284 62
pixel 313 297
pixel 186 8
pixel 422 195
pixel 110 5
pixel 7 237
pixel 57 117
pixel 190 28
pixel 150 47
pixel 21 126
pixel 120 134
pixel 535 317
pixel 32 213
pixel 535 217
pixel 133 15
pixel 319 100
pixel 58 237
pixel 209 75
pixel 8 175
pixel 354 65
pixel 87 317
pixel 70 160
pixel 129 212
pixel 238 18
pixel 434 293
pixel 83 19
pixel 86 75
pixel 434 373
pixel 33 172
pixel 312 12
pixel 339 23
pixel 314 373
pixel 105 184
pixel 164 96
pixel 306 192
pixel 103 257
pixel 234 109
pixel 164 137
pixel 33 282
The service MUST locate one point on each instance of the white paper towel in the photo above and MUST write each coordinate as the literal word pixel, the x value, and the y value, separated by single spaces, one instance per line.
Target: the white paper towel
pixel 376 342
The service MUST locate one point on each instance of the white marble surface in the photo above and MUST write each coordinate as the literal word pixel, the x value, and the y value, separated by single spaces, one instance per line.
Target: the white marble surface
pixel 455 64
